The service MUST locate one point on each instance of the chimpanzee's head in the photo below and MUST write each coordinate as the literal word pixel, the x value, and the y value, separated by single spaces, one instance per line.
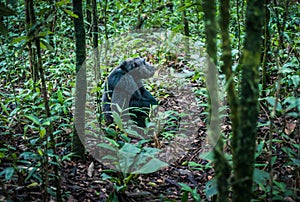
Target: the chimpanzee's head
pixel 138 68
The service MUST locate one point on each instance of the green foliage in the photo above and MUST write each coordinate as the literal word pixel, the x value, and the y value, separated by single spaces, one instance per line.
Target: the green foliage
pixel 23 119
pixel 211 188
pixel 130 155
pixel 24 150
pixel 187 189
pixel 132 158
pixel 5 11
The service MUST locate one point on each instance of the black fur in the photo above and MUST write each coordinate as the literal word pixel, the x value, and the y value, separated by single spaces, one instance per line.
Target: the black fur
pixel 124 87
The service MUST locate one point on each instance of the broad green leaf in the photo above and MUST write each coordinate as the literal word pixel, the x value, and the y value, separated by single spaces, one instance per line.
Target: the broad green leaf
pixel 45 33
pixel 42 132
pixel 54 163
pixel 209 156
pixel 271 101
pixel 130 149
pixel 296 161
pixel 28 155
pixel 60 96
pixel 292 102
pixel 112 142
pixel 111 132
pixel 125 137
pixel 194 164
pixel 45 45
pixel 107 146
pixel 185 197
pixel 195 195
pixel 118 120
pixel 150 151
pixel 185 187
pixel 280 185
pixel 105 176
pixel 119 108
pixel 295 80
pixel 133 133
pixel 286 70
pixel 70 13
pixel 189 5
pixel 18 39
pixel 46 123
pixel 118 188
pixel 33 184
pixel 288 150
pixel 49 120
pixel 110 157
pixel 34 119
pixel 32 171
pixel 211 188
pixel 152 166
pixel 9 172
pixel 260 176
pixel 67 157
pixel 61 3
pixel 259 149
pixel 273 160
pixel 40 152
pixel 4 108
pixel 143 141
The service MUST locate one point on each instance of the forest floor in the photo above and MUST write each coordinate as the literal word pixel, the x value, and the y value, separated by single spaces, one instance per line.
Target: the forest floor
pixel 82 181
pixel 163 185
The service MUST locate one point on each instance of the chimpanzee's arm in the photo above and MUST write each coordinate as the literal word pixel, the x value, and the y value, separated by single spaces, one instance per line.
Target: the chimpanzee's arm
pixel 146 100
pixel 147 96
pixel 123 84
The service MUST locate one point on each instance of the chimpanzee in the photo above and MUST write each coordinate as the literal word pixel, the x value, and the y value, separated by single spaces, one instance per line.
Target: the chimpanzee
pixel 124 87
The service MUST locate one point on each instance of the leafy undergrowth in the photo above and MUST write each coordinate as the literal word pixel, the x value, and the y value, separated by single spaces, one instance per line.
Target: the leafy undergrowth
pixel 189 178
pixel 189 171
pixel 26 160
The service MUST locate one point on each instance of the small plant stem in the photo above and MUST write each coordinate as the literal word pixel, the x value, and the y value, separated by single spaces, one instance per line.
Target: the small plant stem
pixel 273 113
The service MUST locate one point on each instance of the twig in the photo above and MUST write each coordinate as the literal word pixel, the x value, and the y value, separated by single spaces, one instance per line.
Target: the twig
pixel 271 129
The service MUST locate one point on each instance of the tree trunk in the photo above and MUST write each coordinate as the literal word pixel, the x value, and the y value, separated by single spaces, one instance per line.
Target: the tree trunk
pixel 30 20
pixel 49 128
pixel 88 16
pixel 81 84
pixel 222 168
pixel 266 46
pixel 209 9
pixel 244 141
pixel 186 30
pixel 141 17
pixel 35 58
pixel 227 62
pixel 231 93
pixel 95 37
